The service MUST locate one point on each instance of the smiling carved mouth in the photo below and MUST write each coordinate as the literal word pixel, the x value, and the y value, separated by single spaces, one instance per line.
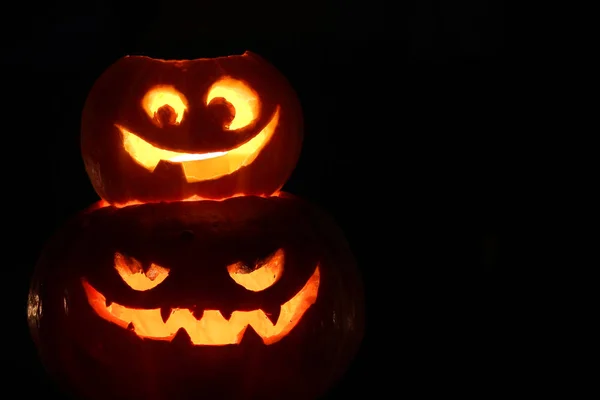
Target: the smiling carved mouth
pixel 199 167
pixel 212 328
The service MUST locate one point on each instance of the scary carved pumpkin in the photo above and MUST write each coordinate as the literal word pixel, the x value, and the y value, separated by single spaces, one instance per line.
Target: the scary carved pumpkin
pixel 248 297
pixel 155 130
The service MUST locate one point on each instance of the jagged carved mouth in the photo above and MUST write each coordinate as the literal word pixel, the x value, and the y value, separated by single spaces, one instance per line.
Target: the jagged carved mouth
pixel 207 327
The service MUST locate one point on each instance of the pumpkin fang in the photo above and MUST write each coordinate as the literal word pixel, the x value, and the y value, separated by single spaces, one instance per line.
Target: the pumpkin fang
pixel 213 328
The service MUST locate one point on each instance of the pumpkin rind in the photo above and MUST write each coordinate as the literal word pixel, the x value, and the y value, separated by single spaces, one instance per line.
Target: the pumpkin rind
pixel 97 360
pixel 115 103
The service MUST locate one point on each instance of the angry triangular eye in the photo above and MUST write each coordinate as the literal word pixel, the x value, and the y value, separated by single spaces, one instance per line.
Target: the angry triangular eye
pixel 263 276
pixel 132 273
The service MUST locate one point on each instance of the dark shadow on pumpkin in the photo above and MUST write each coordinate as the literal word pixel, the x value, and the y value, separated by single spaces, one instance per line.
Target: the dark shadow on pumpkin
pixel 228 126
pixel 248 297
pixel 207 327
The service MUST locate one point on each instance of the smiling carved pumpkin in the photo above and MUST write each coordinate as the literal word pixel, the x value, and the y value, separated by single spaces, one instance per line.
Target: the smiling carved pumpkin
pixel 249 297
pixel 155 130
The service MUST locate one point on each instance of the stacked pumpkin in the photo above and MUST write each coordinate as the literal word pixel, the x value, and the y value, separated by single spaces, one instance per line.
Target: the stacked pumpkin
pixel 194 276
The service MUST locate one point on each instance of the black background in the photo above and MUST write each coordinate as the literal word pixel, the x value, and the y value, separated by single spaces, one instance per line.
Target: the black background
pixel 407 125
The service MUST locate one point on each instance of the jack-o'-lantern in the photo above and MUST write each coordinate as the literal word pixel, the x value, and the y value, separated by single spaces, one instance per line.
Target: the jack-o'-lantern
pixel 248 297
pixel 155 130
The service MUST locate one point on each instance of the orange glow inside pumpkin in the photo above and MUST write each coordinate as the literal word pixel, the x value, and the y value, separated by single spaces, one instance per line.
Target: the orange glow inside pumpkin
pixel 244 100
pixel 104 203
pixel 212 328
pixel 132 272
pixel 161 96
pixel 261 278
pixel 203 166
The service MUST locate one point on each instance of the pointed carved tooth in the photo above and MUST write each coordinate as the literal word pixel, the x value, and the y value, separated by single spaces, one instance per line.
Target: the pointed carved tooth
pixel 182 338
pixel 272 313
pixel 108 302
pixel 198 313
pixel 250 337
pixel 165 313
pixel 131 327
pixel 226 313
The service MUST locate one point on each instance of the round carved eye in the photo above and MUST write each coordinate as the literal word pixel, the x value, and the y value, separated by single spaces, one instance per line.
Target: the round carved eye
pixel 134 275
pixel 244 101
pixel 262 276
pixel 164 105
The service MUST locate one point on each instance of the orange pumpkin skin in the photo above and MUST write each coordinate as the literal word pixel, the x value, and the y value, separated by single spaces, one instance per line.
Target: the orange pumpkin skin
pixel 97 359
pixel 116 100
